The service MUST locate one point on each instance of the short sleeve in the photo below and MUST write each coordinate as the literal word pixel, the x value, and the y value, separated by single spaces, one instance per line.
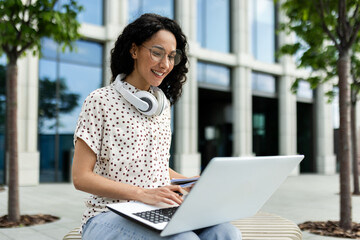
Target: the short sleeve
pixel 90 123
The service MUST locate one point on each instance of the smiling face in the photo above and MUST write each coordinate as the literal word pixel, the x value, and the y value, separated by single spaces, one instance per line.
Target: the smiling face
pixel 148 72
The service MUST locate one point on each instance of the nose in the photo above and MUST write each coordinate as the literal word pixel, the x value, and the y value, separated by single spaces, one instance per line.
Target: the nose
pixel 165 62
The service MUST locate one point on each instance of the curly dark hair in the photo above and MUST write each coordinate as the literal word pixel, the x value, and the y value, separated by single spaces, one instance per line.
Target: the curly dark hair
pixel 140 31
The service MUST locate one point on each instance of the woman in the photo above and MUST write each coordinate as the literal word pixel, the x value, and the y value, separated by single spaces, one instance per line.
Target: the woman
pixel 122 139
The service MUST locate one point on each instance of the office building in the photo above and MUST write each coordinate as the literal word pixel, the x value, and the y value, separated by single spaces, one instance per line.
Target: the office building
pixel 236 102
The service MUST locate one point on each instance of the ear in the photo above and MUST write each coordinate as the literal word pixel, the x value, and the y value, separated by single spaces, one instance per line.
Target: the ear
pixel 134 51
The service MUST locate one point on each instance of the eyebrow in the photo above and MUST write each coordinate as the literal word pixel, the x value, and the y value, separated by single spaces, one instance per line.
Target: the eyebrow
pixel 160 47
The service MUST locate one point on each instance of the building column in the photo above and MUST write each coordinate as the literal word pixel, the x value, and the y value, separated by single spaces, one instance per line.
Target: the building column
pixel 325 158
pixel 287 102
pixel 241 81
pixel 116 17
pixel 287 119
pixel 242 112
pixel 187 158
pixel 28 86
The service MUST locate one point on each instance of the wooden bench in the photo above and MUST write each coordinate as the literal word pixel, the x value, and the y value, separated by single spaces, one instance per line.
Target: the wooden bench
pixel 262 226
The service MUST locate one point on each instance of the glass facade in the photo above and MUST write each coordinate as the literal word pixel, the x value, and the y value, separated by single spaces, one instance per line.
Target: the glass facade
pixel 263 83
pixel 304 90
pixel 92 13
pixel 161 7
pixel 2 117
pixel 65 81
pixel 213 74
pixel 262 19
pixel 213 24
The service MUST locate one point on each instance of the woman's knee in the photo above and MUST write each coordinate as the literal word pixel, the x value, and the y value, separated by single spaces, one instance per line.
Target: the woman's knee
pixel 224 231
pixel 184 236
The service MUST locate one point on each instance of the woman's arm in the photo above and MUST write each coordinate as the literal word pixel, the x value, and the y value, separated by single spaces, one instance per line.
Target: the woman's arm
pixel 174 174
pixel 86 180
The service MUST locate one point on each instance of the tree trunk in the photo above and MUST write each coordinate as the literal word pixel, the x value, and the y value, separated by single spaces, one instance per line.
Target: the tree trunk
pixel 12 147
pixel 344 148
pixel 354 144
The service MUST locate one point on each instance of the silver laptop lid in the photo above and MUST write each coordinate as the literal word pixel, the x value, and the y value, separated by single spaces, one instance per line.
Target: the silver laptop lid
pixel 231 188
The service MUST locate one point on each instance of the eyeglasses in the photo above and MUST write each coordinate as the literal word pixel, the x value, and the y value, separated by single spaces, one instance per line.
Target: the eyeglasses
pixel 158 53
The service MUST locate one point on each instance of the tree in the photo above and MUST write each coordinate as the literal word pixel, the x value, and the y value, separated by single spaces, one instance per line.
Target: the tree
pixel 22 25
pixel 355 89
pixel 331 26
pixel 49 106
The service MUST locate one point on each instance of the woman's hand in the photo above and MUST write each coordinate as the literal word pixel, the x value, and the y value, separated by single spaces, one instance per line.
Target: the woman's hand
pixel 167 194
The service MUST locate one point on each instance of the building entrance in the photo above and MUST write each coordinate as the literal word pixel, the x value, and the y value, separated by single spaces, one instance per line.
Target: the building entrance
pixel 305 136
pixel 265 126
pixel 215 125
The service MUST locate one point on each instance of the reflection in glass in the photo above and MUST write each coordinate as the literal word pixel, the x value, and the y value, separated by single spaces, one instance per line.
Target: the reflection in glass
pixel 213 74
pixel 263 83
pixel 262 18
pixel 2 117
pixel 65 80
pixel 92 13
pixel 161 7
pixel 213 24
pixel 88 53
pixel 304 90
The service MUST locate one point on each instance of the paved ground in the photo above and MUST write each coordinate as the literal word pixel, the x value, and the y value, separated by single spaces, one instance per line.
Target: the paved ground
pixel 301 198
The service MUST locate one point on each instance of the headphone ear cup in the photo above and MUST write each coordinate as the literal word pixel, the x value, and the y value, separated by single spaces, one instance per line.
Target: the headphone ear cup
pixel 160 96
pixel 151 100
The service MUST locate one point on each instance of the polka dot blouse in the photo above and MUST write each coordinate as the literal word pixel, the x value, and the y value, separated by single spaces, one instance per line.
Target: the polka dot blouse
pixel 129 146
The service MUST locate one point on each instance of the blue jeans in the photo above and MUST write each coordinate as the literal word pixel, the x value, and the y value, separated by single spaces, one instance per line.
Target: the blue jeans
pixel 110 226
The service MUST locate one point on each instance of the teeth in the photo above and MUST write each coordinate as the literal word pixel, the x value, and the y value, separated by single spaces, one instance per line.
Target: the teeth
pixel 157 73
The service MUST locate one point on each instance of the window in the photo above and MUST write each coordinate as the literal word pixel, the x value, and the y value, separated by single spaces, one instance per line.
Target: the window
pixel 212 74
pixel 304 90
pixel 65 81
pixel 92 12
pixel 213 24
pixel 262 19
pixel 263 83
pixel 162 7
pixel 2 117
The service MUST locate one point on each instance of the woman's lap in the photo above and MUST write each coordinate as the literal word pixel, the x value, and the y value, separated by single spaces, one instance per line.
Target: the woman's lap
pixel 109 225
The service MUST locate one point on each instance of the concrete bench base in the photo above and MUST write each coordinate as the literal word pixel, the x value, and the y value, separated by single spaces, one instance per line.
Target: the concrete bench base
pixel 266 226
pixel 262 226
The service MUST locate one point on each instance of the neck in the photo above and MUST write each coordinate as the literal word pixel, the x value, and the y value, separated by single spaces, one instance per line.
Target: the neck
pixel 134 80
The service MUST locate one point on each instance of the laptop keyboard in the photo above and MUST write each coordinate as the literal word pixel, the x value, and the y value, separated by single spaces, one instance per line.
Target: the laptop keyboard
pixel 158 215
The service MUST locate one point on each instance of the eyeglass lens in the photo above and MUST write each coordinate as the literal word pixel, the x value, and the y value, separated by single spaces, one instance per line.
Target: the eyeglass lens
pixel 158 54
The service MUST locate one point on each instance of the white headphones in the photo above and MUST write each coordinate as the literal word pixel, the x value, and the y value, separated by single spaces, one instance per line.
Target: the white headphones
pixel 145 102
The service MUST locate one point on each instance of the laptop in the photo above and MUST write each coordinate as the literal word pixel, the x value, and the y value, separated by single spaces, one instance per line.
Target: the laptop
pixel 229 188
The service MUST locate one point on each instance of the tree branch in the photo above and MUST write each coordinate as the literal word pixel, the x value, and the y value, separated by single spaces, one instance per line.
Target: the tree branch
pixel 53 5
pixel 354 34
pixel 25 47
pixel 356 12
pixel 356 28
pixel 324 26
pixel 5 48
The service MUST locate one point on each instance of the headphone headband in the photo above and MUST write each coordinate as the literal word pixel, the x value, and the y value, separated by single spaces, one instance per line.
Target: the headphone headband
pixel 145 102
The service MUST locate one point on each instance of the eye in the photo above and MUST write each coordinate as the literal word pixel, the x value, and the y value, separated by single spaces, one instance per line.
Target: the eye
pixel 157 52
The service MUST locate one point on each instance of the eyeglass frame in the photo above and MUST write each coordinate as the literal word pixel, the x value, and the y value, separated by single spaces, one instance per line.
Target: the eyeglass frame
pixel 177 51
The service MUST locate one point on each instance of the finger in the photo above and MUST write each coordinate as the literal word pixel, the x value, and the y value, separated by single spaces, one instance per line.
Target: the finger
pixel 175 188
pixel 175 196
